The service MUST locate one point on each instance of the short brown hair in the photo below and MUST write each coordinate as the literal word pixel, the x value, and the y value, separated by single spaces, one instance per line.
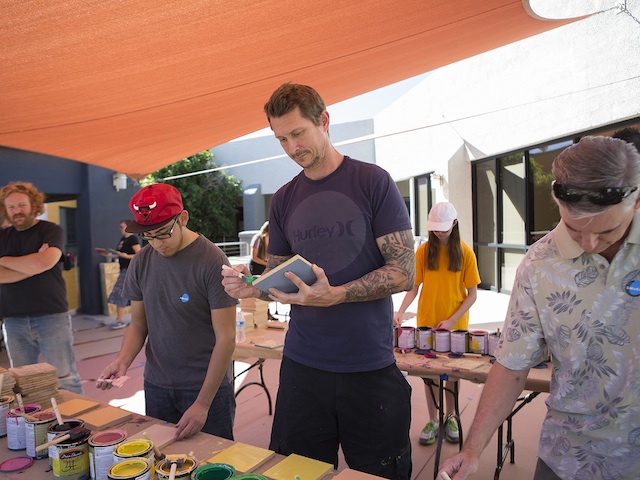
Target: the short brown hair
pixel 36 197
pixel 291 95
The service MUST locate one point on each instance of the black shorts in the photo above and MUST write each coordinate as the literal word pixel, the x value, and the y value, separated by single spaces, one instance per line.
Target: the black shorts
pixel 368 414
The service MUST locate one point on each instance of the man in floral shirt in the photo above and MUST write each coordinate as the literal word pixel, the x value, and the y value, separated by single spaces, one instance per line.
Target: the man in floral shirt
pixel 577 291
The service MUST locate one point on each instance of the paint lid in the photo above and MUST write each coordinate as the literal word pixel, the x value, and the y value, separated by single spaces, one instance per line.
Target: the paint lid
pixel 134 448
pixel 43 417
pixel 128 468
pixel 15 464
pixel 214 471
pixel 108 437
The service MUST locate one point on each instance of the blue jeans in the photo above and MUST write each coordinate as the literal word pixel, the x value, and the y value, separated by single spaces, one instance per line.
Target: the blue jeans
pixel 169 405
pixel 50 335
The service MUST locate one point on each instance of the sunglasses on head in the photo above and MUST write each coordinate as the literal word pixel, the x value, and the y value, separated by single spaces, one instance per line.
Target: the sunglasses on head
pixel 603 196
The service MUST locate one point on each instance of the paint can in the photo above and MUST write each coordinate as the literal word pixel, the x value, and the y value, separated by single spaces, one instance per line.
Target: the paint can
pixel 36 433
pixel 214 471
pixel 478 342
pixel 137 448
pixel 130 469
pixel 16 433
pixel 250 476
pixel 163 468
pixel 407 337
pixel 424 337
pixel 442 341
pixel 5 405
pixel 101 447
pixel 459 339
pixel 492 343
pixel 70 458
pixel 55 429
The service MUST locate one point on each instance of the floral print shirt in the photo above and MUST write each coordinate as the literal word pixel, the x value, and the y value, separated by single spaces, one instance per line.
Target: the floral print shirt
pixel 587 312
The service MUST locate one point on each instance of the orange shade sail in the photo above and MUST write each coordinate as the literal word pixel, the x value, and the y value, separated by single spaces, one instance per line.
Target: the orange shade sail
pixel 135 85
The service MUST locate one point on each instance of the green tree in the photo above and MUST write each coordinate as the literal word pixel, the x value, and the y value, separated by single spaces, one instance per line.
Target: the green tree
pixel 212 199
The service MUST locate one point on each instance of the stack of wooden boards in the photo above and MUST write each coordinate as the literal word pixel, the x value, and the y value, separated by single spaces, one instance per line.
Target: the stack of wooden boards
pixel 95 416
pixel 256 312
pixel 36 383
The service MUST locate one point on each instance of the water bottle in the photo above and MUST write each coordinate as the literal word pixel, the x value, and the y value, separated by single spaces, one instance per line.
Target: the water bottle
pixel 241 336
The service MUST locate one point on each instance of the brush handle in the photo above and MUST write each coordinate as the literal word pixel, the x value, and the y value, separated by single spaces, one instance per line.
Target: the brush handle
pixel 156 451
pixel 55 441
pixel 54 405
pixel 172 472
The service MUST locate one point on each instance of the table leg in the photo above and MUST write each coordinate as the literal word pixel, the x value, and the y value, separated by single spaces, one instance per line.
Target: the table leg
pixel 509 446
pixel 440 405
pixel 258 363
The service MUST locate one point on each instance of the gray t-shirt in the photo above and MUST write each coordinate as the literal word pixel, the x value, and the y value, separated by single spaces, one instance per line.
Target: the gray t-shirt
pixel 179 293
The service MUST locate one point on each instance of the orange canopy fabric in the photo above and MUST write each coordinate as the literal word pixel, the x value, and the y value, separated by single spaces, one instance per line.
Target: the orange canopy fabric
pixel 135 85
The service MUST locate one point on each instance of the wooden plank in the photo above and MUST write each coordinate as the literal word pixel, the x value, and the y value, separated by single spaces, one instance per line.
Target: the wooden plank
pixel 298 467
pixel 105 417
pixel 244 458
pixel 77 406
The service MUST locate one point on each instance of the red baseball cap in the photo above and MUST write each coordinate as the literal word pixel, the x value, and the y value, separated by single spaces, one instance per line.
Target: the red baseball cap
pixel 154 206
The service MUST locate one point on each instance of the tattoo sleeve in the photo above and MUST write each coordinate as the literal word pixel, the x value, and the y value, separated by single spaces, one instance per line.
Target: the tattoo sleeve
pixel 397 274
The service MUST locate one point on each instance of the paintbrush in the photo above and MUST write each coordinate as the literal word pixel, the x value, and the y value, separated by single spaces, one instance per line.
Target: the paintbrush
pixel 156 451
pixel 20 403
pixel 248 279
pixel 26 416
pixel 115 382
pixel 54 405
pixel 73 434
pixel 174 464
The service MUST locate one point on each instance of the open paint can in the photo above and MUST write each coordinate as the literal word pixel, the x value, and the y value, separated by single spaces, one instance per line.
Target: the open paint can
pixel 16 433
pixel 459 341
pixel 424 337
pixel 492 343
pixel 189 464
pixel 36 432
pixel 138 448
pixel 407 337
pixel 5 405
pixel 478 342
pixel 250 476
pixel 70 460
pixel 130 469
pixel 101 447
pixel 56 429
pixel 442 338
pixel 214 471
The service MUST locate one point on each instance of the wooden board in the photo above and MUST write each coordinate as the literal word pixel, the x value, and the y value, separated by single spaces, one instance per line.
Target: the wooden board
pixel 244 458
pixel 348 474
pixel 77 406
pixel 161 435
pixel 105 417
pixel 297 466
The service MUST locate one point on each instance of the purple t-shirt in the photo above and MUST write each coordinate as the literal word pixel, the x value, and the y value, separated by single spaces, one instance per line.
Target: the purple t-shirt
pixel 334 223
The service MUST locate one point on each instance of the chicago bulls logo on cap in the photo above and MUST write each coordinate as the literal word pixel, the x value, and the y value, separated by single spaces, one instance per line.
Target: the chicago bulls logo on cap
pixel 153 206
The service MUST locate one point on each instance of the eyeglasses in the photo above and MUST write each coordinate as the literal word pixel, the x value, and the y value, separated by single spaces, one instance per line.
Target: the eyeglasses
pixel 160 236
pixel 604 196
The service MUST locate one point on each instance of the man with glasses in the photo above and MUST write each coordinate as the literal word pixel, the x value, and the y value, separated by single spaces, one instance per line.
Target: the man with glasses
pixel 180 309
pixel 577 292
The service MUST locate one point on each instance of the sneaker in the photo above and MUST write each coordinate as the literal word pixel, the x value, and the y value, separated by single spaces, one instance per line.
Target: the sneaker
pixel 429 433
pixel 451 432
pixel 118 325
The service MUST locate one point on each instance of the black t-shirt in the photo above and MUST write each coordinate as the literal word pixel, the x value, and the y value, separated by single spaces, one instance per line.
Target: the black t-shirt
pixel 125 245
pixel 41 294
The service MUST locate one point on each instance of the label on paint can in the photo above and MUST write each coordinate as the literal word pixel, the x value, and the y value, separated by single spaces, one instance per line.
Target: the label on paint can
pixel 55 429
pixel 425 338
pixel 459 341
pixel 478 342
pixel 36 433
pixel 407 337
pixel 5 405
pixel 70 460
pixel 101 447
pixel 16 432
pixel 442 341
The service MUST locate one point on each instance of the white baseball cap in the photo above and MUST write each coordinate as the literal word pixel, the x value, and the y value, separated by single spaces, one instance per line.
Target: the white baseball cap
pixel 441 217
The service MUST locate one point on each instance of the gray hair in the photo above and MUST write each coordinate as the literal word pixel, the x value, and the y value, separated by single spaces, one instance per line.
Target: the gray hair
pixel 595 163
